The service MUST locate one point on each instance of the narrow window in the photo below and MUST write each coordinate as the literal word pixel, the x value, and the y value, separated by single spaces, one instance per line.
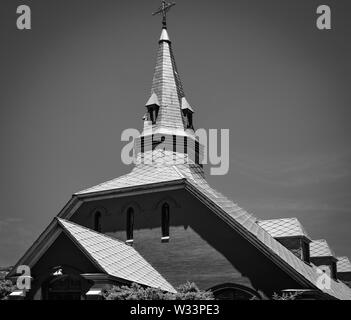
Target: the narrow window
pixel 142 141
pixel 97 221
pixel 197 152
pixel 334 271
pixel 165 222
pixel 151 112
pixel 306 251
pixel 190 120
pixel 130 224
pixel 174 143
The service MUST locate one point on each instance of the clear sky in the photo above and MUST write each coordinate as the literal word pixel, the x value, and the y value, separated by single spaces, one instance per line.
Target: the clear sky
pixel 82 75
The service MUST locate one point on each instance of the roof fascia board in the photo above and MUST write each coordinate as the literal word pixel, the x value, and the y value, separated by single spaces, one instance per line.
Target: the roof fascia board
pixel 132 190
pixel 31 251
pixel 73 204
pixel 293 237
pixel 118 193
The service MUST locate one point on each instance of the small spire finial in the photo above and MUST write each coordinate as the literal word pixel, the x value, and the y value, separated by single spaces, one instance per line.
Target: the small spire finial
pixel 163 9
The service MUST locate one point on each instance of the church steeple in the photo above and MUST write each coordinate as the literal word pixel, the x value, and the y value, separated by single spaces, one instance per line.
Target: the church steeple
pixel 172 110
pixel 169 118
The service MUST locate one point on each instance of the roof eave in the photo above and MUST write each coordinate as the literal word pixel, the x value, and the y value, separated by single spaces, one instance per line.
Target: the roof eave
pixel 78 199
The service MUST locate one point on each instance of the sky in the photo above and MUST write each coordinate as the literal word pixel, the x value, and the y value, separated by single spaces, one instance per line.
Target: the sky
pixel 72 84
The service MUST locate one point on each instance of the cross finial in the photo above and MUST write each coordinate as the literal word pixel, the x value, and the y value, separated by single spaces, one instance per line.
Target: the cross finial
pixel 163 9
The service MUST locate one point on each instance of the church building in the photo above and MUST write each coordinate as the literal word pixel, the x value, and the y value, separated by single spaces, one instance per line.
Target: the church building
pixel 162 224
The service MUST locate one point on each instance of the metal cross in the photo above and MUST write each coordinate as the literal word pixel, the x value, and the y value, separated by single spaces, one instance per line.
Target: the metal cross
pixel 163 9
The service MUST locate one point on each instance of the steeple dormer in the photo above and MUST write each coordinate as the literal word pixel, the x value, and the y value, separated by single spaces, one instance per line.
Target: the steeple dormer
pixel 187 114
pixel 323 257
pixel 153 107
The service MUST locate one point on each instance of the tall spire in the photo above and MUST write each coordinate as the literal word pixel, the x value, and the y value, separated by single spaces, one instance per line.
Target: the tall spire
pixel 171 109
pixel 168 133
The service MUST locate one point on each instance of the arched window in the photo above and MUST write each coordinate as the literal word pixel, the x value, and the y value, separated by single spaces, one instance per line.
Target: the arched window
pixel 130 224
pixel 188 118
pixel 153 113
pixel 97 221
pixel 190 121
pixel 231 291
pixel 165 222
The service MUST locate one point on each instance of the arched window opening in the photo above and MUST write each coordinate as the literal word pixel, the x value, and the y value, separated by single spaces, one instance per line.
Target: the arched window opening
pixel 64 287
pixel 188 117
pixel 197 152
pixel 231 291
pixel 97 221
pixel 190 121
pixel 165 222
pixel 130 225
pixel 153 113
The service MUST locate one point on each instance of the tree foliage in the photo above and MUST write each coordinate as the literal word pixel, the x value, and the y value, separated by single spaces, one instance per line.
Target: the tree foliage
pixel 187 291
pixel 6 287
pixel 285 296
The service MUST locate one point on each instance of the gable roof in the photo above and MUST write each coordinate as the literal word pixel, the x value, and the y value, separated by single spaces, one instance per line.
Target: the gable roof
pixel 110 255
pixel 153 100
pixel 320 248
pixel 287 227
pixel 239 219
pixel 115 257
pixel 343 265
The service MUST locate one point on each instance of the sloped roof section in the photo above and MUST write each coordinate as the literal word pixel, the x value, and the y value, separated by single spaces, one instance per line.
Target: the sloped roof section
pixel 186 105
pixel 153 100
pixel 247 223
pixel 234 215
pixel 343 264
pixel 141 175
pixel 320 248
pixel 115 257
pixel 280 228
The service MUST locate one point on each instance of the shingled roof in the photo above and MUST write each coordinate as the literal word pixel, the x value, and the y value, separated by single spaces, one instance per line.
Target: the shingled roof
pixel 238 218
pixel 343 264
pixel 169 91
pixel 286 227
pixel 140 175
pixel 115 257
pixel 320 248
